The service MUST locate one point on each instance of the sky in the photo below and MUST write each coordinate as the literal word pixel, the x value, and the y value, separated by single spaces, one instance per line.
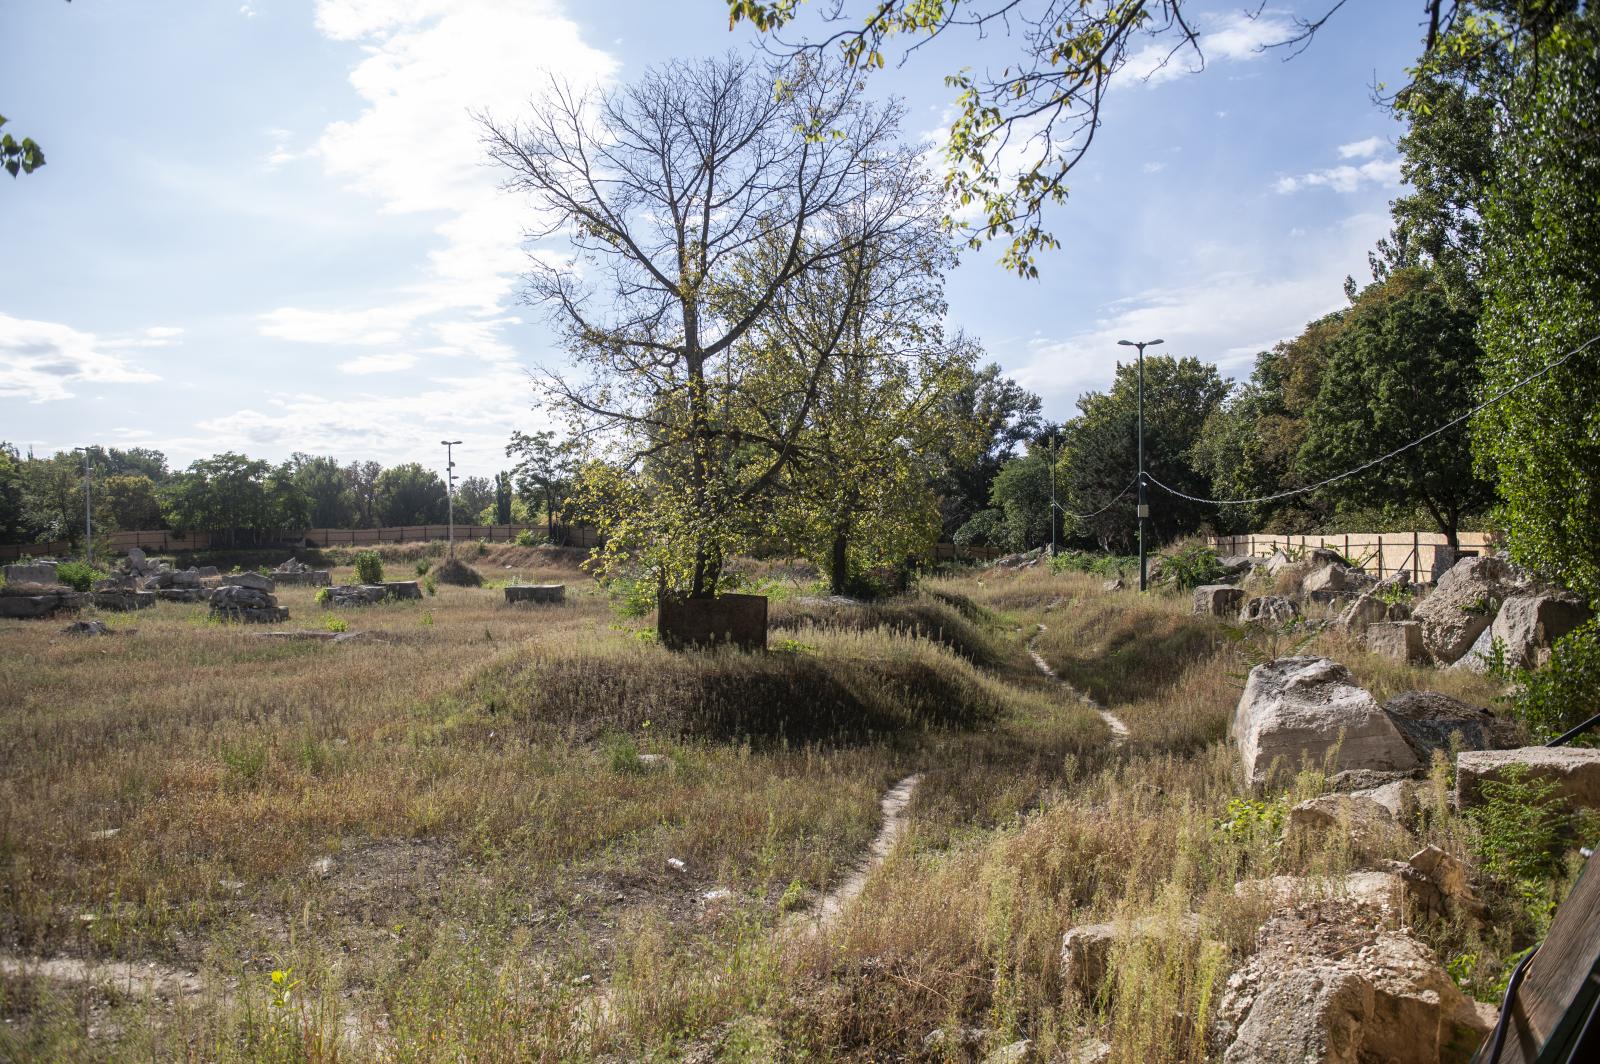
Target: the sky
pixel 269 226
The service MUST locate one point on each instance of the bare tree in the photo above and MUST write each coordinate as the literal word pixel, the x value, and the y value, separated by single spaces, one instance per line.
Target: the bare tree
pixel 693 199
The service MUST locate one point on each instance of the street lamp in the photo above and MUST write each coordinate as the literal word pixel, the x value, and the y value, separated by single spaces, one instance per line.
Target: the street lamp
pixel 450 489
pixel 1144 503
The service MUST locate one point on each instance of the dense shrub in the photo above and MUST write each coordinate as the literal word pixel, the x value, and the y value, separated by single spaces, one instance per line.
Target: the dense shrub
pixel 1561 695
pixel 526 538
pixel 369 567
pixel 80 576
pixel 1189 567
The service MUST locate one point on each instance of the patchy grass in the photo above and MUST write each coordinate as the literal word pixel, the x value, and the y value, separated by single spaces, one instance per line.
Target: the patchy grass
pixel 507 878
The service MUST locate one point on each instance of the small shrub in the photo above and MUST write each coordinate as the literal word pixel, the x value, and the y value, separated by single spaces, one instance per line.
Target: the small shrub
pixel 332 623
pixel 1394 594
pixel 430 584
pixel 80 576
pixel 427 619
pixel 1189 567
pixel 1523 827
pixel 323 596
pixel 369 567
pixel 483 547
pixel 632 596
pixel 526 538
pixel 458 573
pixel 1561 695
pixel 423 566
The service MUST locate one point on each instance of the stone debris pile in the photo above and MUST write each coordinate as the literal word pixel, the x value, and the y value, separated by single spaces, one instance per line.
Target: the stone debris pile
pixel 32 590
pixel 369 594
pixel 536 593
pixel 298 573
pixel 242 602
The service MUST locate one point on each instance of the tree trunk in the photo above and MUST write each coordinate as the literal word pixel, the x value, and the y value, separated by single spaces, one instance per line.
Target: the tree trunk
pixel 841 559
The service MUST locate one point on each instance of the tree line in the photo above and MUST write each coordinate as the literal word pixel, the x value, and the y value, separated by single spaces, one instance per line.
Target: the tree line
pixel 42 498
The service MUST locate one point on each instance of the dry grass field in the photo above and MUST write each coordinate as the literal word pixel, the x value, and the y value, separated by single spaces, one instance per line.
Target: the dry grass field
pixel 442 837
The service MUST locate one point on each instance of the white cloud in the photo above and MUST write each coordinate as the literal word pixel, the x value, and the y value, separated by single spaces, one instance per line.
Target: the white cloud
pixel 426 67
pixel 1361 149
pixel 1344 178
pixel 1235 37
pixel 163 332
pixel 281 152
pixel 1225 319
pixel 40 359
pixel 1153 168
pixel 390 363
pixel 367 326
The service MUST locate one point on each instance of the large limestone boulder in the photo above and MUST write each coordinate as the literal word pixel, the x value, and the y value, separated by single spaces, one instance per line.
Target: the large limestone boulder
pixel 1529 623
pixel 1370 608
pixel 1431 722
pixel 1304 709
pixel 1462 605
pixel 1330 984
pixel 1217 600
pixel 251 580
pixel 1364 823
pixel 46 603
pixel 1269 611
pixel 32 573
pixel 238 602
pixel 1574 770
pixel 1086 950
pixel 1400 640
pixel 1334 581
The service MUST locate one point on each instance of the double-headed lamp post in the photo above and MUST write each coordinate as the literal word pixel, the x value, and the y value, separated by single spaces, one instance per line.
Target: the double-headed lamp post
pixel 1144 502
pixel 450 489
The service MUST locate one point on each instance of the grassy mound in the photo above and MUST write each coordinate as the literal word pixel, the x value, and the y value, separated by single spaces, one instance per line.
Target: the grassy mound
pixel 455 571
pixel 946 619
pixel 792 699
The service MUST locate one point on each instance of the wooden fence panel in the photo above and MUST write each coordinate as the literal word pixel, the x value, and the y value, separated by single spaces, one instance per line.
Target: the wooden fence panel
pixel 1424 554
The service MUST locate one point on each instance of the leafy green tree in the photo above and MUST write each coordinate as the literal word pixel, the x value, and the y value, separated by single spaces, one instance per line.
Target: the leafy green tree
pixel 1006 415
pixel 132 502
pixel 502 499
pixel 474 495
pixel 321 480
pixel 722 193
pixel 1099 452
pixel 361 479
pixel 410 494
pixel 13 521
pixel 866 346
pixel 246 498
pixel 1021 493
pixel 1541 229
pixel 543 473
pixel 1404 363
pixel 52 497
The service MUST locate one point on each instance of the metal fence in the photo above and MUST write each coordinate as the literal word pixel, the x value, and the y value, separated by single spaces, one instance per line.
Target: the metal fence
pixel 166 541
pixel 1425 555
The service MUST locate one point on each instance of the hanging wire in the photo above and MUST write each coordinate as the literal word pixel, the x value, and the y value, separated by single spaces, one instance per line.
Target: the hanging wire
pixel 1084 517
pixel 1495 398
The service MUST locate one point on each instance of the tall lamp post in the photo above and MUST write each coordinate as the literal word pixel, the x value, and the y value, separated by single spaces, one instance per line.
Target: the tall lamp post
pixel 1144 502
pixel 450 489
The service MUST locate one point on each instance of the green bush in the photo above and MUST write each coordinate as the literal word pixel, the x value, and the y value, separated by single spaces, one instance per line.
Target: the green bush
pixel 1523 830
pixel 369 567
pixel 525 538
pixel 423 566
pixel 1190 567
pixel 322 596
pixel 80 576
pixel 1561 695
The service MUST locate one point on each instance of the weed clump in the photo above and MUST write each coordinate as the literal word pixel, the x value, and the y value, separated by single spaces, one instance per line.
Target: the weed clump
pixel 80 576
pixel 458 573
pixel 369 567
